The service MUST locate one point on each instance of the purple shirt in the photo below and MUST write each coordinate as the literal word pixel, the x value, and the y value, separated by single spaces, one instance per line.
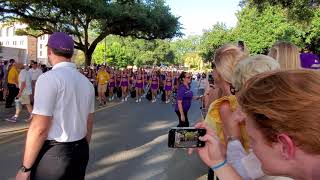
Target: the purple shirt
pixel 185 94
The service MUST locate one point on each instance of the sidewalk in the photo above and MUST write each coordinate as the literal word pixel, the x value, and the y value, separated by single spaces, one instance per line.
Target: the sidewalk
pixel 8 127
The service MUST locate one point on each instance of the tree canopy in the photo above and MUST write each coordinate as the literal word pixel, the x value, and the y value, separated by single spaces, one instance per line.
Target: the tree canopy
pixel 145 19
pixel 299 10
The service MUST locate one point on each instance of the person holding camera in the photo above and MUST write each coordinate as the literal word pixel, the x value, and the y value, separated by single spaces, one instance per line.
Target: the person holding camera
pixel 274 117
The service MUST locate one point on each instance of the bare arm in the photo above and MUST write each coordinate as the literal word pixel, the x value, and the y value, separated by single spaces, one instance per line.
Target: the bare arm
pixel 23 86
pixel 37 134
pixel 180 107
pixel 89 127
pixel 229 128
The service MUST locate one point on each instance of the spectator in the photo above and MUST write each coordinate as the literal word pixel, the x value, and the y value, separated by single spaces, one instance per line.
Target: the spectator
pixel 225 60
pixel 274 124
pixel 35 72
pixel 287 54
pixel 23 97
pixel 13 83
pixel 184 99
pixel 57 145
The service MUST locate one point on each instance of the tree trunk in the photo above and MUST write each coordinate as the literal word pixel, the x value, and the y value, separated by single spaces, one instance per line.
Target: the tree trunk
pixel 88 57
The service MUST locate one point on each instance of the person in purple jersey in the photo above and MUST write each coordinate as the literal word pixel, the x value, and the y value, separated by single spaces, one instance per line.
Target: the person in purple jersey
pixel 124 83
pixel 155 82
pixel 112 84
pixel 168 86
pixel 139 79
pixel 184 99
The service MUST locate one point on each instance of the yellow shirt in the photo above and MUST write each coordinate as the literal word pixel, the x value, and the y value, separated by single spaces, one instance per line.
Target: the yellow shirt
pixel 13 75
pixel 102 77
pixel 213 119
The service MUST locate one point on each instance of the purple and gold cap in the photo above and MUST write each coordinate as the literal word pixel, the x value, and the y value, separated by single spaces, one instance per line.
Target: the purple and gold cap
pixel 309 61
pixel 61 41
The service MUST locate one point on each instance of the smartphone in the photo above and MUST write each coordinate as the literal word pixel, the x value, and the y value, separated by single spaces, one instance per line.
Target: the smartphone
pixel 185 137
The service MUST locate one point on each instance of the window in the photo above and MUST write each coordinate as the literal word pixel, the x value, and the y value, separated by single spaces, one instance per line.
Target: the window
pixel 7 43
pixel 13 31
pixel 40 46
pixel 14 43
pixel 1 43
pixel 21 43
pixel 7 32
pixel 40 53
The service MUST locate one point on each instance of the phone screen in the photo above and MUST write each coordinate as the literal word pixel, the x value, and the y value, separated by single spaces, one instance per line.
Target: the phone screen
pixel 186 138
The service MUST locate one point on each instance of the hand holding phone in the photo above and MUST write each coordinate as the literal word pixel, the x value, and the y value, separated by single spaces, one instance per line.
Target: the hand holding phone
pixel 186 137
pixel 214 152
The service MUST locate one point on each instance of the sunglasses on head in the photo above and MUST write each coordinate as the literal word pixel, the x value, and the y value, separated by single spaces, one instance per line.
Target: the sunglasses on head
pixel 188 77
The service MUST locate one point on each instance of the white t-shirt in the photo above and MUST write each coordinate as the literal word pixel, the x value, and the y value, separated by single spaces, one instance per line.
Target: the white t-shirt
pixel 35 73
pixel 68 97
pixel 24 76
pixel 203 83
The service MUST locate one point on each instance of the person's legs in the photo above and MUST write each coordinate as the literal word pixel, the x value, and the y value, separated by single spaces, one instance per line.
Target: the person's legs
pixel 125 93
pixel 137 94
pixel 12 94
pixel 111 93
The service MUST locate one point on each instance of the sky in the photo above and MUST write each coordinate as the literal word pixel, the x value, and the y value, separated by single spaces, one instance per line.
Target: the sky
pixel 197 15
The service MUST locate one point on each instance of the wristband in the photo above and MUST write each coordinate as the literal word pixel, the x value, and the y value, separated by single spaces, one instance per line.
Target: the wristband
pixel 214 168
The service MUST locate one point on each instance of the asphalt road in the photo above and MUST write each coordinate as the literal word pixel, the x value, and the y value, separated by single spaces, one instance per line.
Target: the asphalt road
pixel 129 142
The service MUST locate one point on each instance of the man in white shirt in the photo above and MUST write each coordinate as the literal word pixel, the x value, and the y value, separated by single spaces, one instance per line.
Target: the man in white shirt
pixel 25 90
pixel 35 72
pixel 57 145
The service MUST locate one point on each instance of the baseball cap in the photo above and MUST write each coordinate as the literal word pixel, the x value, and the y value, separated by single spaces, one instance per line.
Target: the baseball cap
pixel 310 61
pixel 61 41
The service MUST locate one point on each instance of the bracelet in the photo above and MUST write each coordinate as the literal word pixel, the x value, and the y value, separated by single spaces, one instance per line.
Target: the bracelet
pixel 214 168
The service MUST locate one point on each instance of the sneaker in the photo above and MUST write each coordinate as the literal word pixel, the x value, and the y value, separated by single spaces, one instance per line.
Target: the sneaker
pixel 12 119
pixel 110 99
pixel 137 100
pixel 122 100
pixel 126 99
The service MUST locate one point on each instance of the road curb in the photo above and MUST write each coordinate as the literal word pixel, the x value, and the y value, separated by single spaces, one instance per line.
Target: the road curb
pixel 25 128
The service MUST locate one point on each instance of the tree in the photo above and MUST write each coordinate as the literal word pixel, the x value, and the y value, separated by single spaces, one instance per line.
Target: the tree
pixel 149 19
pixel 213 38
pixel 299 10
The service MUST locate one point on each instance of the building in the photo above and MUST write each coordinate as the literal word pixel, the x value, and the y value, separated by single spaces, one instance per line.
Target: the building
pixel 22 48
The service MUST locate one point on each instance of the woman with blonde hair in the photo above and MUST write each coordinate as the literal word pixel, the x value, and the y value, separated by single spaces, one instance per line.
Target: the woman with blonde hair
pixel 282 122
pixel 287 54
pixel 225 60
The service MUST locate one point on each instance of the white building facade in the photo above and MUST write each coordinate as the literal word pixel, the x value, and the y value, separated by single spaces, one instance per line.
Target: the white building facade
pixel 22 48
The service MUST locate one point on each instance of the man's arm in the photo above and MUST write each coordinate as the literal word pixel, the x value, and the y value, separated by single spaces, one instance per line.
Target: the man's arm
pixel 89 127
pixel 37 134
